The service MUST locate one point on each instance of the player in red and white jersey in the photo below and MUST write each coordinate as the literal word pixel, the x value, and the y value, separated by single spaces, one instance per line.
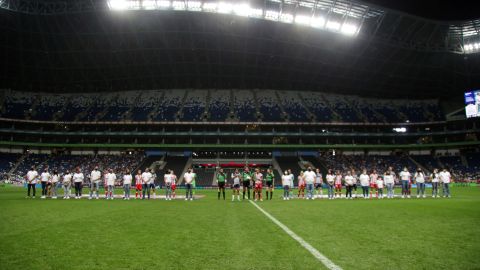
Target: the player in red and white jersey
pixel 174 183
pixel 105 185
pixel 338 184
pixel 258 176
pixel 138 184
pixel 373 183
pixel 301 185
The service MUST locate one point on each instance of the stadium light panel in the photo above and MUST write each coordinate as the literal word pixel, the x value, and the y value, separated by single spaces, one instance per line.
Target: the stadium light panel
pixel 304 20
pixel 178 5
pixel 333 25
pixel 286 18
pixel 318 22
pixel 349 29
pixel 118 4
pixel 400 130
pixel 149 4
pixel 271 15
pixel 163 4
pixel 242 10
pixel 224 8
pixel 210 7
pixel 194 5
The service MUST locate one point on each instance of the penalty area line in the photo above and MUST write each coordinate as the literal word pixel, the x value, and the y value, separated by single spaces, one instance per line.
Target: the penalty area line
pixel 319 256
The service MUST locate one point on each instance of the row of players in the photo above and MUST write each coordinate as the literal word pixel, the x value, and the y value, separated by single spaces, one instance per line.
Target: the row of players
pixel 308 180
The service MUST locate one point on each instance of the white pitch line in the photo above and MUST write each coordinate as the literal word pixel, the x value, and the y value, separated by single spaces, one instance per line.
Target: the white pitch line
pixel 319 256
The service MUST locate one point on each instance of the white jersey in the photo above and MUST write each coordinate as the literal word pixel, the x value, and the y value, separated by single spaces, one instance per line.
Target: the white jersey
pixel 236 178
pixel 55 178
pixel 111 177
pixel 78 177
pixel 419 177
pixel 127 179
pixel 379 183
pixel 32 177
pixel 309 177
pixel 435 177
pixel 318 178
pixel 389 179
pixel 45 177
pixel 286 180
pixel 167 178
pixel 364 180
pixel 95 176
pixel 330 179
pixel 405 176
pixel 188 177
pixel 445 177
pixel 292 178
pixel 349 180
pixel 67 178
pixel 146 176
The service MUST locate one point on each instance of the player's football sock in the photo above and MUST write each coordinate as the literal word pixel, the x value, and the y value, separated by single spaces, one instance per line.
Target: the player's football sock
pixel 223 194
pixel 249 194
pixel 271 195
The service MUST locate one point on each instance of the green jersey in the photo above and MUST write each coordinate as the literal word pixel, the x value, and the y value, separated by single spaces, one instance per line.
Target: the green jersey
pixel 221 177
pixel 269 177
pixel 247 176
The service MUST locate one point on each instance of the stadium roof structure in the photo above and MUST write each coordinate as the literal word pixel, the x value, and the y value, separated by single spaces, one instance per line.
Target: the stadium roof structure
pixel 319 45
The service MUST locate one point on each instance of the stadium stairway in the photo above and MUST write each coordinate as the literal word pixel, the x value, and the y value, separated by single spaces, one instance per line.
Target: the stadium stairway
pixel 147 162
pixel 179 165
pixel 424 168
pixel 289 163
pixel 15 166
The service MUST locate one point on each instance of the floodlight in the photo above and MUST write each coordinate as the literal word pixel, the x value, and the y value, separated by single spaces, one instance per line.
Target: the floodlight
pixel 149 4
pixel 242 10
pixel 194 5
pixel 178 5
pixel 349 29
pixel 118 4
pixel 476 46
pixel 210 7
pixel 271 15
pixel 224 8
pixel 318 22
pixel 333 25
pixel 163 4
pixel 286 18
pixel 400 129
pixel 301 19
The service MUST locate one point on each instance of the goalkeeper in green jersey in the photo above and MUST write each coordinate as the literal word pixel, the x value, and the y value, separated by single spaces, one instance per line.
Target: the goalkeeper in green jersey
pixel 269 183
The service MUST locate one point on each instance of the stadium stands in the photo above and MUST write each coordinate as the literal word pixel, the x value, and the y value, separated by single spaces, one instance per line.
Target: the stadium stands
pixel 167 105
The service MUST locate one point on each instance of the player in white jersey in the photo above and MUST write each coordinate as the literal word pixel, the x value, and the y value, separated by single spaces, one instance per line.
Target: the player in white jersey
pixel 67 184
pixel 445 179
pixel 434 178
pixel 95 178
pixel 55 183
pixel 167 179
pixel 349 180
pixel 318 183
pixel 111 178
pixel 189 177
pixel 31 178
pixel 379 187
pixel 310 177
pixel 286 185
pixel 151 184
pixel 146 178
pixel 45 180
pixel 127 183
pixel 330 178
pixel 236 176
pixel 405 178
pixel 389 180
pixel 78 178
pixel 420 181
pixel 373 183
pixel 365 183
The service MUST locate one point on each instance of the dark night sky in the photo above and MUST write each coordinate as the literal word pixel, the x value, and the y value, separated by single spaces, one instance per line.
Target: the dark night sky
pixel 431 9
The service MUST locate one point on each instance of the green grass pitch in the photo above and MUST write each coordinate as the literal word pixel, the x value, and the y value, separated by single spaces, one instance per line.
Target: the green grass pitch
pixel 210 234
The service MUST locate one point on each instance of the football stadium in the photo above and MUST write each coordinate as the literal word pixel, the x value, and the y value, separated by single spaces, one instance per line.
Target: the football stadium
pixel 239 134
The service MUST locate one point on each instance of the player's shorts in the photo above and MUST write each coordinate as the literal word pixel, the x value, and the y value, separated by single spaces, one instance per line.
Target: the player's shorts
pixel 258 186
pixel 246 184
pixel 138 186
pixel 301 187
pixel 151 185
pixel 338 186
pixel 236 186
pixel 269 184
pixel 174 187
pixel 318 185
pixel 221 184
pixel 372 185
